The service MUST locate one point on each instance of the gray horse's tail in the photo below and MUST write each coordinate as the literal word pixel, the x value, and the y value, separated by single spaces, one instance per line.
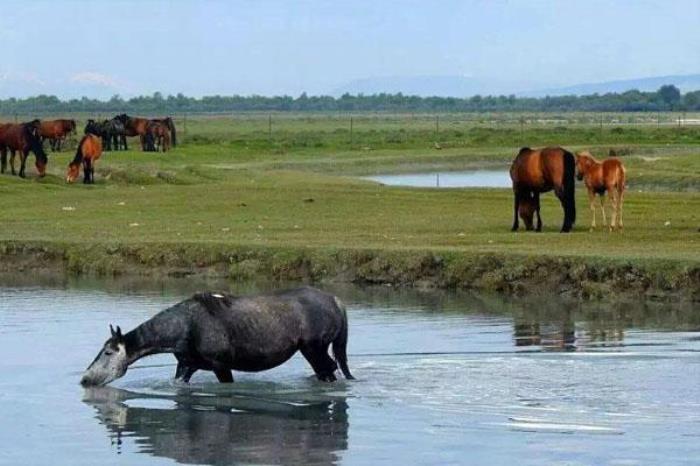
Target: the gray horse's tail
pixel 340 343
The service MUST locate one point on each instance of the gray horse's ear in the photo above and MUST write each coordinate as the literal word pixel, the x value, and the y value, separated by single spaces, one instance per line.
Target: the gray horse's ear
pixel 111 330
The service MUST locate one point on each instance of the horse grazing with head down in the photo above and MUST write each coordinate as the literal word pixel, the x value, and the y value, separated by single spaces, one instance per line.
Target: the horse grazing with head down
pixel 23 137
pixel 599 177
pixel 89 150
pixel 56 132
pixel 538 171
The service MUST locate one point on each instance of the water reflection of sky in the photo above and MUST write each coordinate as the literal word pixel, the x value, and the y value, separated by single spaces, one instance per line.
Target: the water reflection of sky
pixel 464 179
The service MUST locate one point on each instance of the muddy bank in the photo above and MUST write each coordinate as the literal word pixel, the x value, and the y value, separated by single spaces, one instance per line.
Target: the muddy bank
pixel 587 278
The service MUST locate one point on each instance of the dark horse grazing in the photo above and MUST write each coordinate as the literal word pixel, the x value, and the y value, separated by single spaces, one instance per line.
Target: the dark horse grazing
pixel 89 150
pixel 56 132
pixel 220 333
pixel 538 171
pixel 23 137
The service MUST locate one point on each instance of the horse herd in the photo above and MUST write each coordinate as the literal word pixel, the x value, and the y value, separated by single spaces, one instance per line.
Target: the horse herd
pixel 532 172
pixel 537 171
pixel 29 137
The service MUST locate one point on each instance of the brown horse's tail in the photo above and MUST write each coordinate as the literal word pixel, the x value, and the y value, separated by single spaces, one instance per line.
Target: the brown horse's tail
pixel 78 159
pixel 569 188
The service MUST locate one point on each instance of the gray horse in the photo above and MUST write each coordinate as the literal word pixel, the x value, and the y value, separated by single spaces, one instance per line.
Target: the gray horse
pixel 220 333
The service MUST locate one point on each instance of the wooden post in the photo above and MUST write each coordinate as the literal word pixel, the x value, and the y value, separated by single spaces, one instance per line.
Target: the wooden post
pixel 184 126
pixel 437 126
pixel 522 126
pixel 269 128
pixel 15 117
pixel 351 134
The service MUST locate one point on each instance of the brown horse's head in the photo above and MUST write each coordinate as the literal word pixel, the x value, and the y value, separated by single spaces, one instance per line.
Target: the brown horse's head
pixel 73 172
pixel 584 159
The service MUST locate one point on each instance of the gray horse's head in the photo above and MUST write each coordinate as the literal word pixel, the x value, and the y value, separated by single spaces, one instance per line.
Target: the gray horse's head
pixel 111 362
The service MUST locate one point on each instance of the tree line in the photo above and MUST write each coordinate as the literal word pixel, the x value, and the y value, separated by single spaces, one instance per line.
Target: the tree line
pixel 666 98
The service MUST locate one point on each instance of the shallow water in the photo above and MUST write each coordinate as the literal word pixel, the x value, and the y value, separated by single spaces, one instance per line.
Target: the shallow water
pixel 442 378
pixel 463 179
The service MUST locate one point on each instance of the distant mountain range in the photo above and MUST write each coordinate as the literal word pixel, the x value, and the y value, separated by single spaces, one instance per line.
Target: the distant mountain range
pixel 686 83
pixel 462 86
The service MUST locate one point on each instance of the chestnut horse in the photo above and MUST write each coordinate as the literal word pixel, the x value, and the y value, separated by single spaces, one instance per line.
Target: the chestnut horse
pixel 23 137
pixel 158 136
pixel 56 131
pixel 135 126
pixel 538 171
pixel 89 150
pixel 599 177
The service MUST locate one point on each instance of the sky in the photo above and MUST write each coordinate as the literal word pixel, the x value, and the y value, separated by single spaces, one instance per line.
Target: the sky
pixel 270 47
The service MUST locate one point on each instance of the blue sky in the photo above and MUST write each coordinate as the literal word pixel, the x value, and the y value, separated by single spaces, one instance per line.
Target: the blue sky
pixel 286 47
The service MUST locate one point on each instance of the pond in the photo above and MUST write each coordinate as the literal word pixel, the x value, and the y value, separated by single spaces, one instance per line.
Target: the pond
pixel 459 179
pixel 442 378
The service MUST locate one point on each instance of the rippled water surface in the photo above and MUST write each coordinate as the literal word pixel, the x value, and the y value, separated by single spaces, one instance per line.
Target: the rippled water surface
pixel 442 379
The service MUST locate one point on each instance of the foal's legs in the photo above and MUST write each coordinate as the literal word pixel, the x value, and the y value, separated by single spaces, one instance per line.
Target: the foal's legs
pixel 602 209
pixel 3 159
pixel 614 200
pixel 620 196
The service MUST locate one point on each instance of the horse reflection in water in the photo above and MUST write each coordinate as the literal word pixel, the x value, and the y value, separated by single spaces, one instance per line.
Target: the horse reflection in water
pixel 554 329
pixel 227 428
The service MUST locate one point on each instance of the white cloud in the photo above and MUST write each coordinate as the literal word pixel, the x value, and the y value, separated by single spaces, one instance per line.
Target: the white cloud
pixel 21 76
pixel 92 77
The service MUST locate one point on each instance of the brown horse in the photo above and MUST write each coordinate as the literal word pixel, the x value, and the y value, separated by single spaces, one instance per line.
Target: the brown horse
pixel 170 124
pixel 159 135
pixel 89 150
pixel 538 171
pixel 23 137
pixel 599 177
pixel 56 131
pixel 135 126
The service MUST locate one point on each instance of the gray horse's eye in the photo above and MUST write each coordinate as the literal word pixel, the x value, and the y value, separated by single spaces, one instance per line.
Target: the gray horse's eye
pixel 109 353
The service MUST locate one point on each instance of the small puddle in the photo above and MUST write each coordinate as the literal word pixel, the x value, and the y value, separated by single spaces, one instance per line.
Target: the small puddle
pixel 463 179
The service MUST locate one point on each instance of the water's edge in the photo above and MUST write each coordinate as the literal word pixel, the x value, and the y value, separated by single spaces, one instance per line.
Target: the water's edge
pixel 577 277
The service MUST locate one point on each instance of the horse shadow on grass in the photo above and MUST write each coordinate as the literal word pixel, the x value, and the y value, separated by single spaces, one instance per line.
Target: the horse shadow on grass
pixel 221 428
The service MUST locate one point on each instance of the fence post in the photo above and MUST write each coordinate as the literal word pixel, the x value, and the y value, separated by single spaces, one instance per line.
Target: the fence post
pixel 15 117
pixel 269 128
pixel 184 126
pixel 351 135
pixel 437 126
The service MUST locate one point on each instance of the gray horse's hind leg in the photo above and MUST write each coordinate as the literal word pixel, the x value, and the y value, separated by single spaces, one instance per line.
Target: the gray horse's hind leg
pixel 224 375
pixel 323 365
pixel 184 372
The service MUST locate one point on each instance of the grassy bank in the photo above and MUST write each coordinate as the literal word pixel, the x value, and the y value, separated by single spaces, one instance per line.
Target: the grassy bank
pixel 219 209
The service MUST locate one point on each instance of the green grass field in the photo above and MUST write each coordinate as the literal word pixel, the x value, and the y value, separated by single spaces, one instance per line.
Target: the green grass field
pixel 230 186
